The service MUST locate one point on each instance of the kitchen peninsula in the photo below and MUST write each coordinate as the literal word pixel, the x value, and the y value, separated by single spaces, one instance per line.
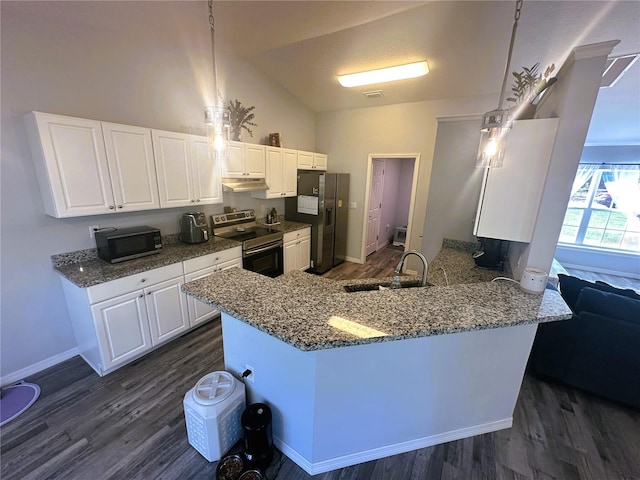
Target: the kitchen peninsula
pixel 358 376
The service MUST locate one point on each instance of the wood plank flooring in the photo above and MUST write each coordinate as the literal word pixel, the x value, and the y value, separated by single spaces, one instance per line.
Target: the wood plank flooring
pixel 130 425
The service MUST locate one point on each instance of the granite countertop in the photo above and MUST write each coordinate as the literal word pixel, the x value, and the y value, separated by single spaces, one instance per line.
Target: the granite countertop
pixel 315 313
pixel 85 269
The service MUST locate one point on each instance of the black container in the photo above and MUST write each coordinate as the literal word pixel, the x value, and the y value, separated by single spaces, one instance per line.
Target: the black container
pixel 258 442
pixel 491 254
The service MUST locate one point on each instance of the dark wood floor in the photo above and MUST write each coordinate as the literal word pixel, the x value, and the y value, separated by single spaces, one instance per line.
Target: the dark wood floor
pixel 381 263
pixel 130 425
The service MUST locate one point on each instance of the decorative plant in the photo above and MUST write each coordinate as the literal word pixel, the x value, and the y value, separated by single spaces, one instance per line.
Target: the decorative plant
pixel 240 117
pixel 529 84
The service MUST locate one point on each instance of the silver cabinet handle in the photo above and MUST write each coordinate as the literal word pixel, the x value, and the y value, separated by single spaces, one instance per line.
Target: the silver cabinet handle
pixel 119 206
pixel 111 207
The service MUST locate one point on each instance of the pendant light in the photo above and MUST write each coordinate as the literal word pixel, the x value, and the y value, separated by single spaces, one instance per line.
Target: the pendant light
pixel 214 115
pixel 497 123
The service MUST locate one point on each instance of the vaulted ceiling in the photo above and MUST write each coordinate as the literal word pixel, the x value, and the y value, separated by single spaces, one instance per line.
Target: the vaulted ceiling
pixel 304 45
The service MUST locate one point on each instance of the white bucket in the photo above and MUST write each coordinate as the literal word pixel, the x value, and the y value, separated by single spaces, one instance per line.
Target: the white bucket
pixel 533 280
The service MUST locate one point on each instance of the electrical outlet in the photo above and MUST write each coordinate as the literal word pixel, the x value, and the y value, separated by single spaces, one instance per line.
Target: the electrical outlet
pixel 93 229
pixel 251 376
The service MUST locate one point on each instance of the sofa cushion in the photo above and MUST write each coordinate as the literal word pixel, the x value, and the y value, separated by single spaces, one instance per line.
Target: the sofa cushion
pixel 571 286
pixel 626 292
pixel 608 305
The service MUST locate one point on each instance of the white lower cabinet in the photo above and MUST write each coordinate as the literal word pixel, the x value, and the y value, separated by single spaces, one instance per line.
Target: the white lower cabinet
pixel 122 329
pixel 118 321
pixel 297 250
pixel 202 267
pixel 167 310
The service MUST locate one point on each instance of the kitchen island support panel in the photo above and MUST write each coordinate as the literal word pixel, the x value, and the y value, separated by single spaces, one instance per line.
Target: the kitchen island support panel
pixel 343 406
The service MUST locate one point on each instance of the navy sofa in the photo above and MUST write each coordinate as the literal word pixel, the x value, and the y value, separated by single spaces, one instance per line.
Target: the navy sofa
pixel 598 349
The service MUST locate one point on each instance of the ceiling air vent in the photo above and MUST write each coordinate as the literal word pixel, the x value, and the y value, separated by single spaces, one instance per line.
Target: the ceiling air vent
pixel 373 94
pixel 616 66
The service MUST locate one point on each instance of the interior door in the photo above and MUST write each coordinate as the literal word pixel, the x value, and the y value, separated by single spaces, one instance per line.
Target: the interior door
pixel 375 203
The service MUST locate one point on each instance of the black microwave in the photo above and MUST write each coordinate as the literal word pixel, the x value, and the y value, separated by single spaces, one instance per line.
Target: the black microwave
pixel 120 244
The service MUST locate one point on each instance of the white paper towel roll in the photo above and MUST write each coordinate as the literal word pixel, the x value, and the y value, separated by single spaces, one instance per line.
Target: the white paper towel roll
pixel 533 280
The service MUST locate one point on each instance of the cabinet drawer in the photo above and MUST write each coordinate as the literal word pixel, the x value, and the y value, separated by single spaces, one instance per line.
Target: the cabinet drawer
pixel 198 263
pixel 114 288
pixel 296 234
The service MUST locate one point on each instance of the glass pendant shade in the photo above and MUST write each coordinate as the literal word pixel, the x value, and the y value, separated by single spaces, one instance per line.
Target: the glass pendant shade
pixel 495 127
pixel 215 128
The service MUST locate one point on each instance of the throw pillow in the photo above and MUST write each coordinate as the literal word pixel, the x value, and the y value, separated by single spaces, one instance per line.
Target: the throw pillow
pixel 627 292
pixel 570 288
pixel 608 304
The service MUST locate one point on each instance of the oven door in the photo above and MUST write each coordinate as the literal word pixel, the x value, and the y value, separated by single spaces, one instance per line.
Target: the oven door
pixel 265 259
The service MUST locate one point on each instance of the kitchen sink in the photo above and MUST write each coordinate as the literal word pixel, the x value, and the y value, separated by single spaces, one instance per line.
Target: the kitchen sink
pixel 368 287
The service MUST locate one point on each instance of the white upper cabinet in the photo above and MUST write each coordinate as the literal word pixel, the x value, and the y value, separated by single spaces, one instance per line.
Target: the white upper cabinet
pixel 510 195
pixel 173 164
pixel 131 166
pixel 187 174
pixel 245 160
pixel 289 172
pixel 281 173
pixel 71 165
pixel 312 161
pixel 206 172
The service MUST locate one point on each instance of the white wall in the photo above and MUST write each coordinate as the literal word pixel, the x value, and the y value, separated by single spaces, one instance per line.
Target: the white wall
pixel 138 63
pixel 572 100
pixel 455 184
pixel 350 136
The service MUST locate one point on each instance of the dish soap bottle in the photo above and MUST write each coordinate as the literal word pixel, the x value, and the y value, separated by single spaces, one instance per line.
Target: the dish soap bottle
pixel 396 282
pixel 274 215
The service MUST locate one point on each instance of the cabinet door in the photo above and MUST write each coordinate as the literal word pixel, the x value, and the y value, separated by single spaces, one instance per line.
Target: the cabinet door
pixel 173 166
pixel 304 253
pixel 254 160
pixel 305 160
pixel 71 165
pixel 320 161
pixel 234 165
pixel 511 194
pixel 290 256
pixel 199 312
pixel 122 328
pixel 235 263
pixel 289 172
pixel 206 172
pixel 131 166
pixel 167 308
pixel 274 172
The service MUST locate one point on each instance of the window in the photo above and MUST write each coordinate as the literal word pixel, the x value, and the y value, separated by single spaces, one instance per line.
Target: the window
pixel 604 208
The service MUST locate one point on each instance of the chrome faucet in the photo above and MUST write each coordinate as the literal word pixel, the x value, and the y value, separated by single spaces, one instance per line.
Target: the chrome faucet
pixel 424 264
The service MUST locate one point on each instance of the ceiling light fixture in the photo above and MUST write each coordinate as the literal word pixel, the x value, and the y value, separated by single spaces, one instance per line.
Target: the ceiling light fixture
pixel 389 74
pixel 497 123
pixel 214 115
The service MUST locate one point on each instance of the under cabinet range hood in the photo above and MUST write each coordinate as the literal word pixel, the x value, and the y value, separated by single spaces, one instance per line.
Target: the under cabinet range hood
pixel 244 184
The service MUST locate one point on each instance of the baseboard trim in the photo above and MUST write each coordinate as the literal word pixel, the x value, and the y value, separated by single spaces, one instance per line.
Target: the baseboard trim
pixel 353 260
pixel 386 451
pixel 38 367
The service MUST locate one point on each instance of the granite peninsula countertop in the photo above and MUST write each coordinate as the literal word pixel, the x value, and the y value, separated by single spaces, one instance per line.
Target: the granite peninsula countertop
pixel 84 269
pixel 315 313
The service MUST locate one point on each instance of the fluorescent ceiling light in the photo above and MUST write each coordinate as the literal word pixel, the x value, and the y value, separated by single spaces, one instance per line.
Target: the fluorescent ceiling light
pixel 399 72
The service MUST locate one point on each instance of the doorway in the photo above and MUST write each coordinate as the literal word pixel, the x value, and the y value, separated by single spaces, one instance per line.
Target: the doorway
pixel 389 200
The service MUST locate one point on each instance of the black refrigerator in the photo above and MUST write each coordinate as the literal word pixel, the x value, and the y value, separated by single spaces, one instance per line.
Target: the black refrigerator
pixel 322 201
